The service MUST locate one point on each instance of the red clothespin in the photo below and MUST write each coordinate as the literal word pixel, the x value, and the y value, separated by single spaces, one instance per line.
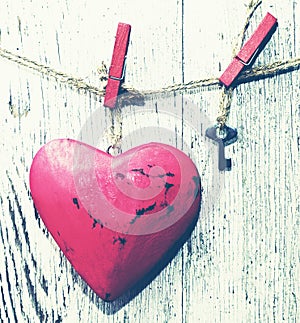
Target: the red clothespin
pixel 117 67
pixel 249 50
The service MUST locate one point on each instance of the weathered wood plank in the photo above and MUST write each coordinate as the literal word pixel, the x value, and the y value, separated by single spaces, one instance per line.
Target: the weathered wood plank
pixel 38 283
pixel 241 262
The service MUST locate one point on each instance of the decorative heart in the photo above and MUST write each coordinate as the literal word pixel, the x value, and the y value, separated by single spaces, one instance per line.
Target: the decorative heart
pixel 114 218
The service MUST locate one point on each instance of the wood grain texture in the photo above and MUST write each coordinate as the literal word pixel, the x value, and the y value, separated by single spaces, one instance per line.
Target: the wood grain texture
pixel 241 263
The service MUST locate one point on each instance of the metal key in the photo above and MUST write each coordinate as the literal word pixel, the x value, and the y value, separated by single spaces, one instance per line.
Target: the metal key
pixel 223 137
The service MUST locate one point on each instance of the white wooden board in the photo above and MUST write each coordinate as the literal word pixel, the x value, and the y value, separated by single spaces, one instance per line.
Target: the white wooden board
pixel 241 263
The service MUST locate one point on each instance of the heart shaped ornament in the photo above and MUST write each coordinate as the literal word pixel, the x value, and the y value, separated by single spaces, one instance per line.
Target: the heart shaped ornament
pixel 115 218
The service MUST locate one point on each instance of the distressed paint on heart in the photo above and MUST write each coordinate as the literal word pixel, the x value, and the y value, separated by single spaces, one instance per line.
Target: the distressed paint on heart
pixel 110 260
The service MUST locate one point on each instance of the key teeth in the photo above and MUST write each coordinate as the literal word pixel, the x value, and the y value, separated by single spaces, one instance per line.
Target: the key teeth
pixel 228 164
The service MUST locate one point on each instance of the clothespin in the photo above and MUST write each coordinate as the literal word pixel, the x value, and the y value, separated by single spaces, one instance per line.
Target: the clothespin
pixel 117 67
pixel 249 50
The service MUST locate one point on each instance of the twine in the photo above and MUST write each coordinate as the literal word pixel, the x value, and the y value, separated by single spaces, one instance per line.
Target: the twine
pixel 227 93
pixel 250 12
pixel 62 77
pixel 255 74
pixel 131 96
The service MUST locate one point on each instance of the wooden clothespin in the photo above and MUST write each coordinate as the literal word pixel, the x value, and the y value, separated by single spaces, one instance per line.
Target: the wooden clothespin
pixel 249 50
pixel 117 67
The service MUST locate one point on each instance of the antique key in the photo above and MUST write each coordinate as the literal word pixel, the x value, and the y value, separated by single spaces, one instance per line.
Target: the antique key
pixel 223 136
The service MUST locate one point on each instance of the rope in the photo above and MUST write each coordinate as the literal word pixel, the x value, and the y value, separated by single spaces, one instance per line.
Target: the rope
pixel 131 96
pixel 257 73
pixel 227 94
pixel 77 83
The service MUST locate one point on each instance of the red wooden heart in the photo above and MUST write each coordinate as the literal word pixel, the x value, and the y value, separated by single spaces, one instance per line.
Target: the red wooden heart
pixel 114 218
